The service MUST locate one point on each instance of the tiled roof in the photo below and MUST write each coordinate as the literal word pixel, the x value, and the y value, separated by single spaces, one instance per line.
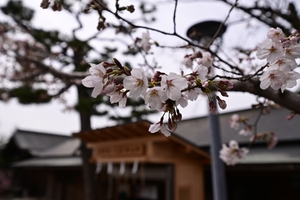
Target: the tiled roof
pixel 197 130
pixel 45 144
pixel 30 140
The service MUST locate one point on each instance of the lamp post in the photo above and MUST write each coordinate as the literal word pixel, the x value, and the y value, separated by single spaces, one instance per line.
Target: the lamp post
pixel 203 33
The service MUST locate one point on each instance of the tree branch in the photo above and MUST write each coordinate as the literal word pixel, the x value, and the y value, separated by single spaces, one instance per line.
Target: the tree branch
pixel 287 99
pixel 55 72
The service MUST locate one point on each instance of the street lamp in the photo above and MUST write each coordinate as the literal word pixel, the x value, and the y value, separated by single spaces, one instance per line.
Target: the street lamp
pixel 203 33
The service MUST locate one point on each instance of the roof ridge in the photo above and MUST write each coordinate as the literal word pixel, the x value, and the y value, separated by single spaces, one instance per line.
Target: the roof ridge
pixel 41 133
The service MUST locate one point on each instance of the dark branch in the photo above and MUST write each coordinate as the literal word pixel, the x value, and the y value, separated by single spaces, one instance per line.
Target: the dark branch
pixel 287 99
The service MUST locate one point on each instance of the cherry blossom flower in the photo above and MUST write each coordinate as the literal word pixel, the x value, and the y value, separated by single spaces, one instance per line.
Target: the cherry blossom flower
pixel 291 80
pixel 283 64
pixel 96 79
pixel 137 83
pixel 275 34
pixel 192 94
pixel 189 58
pixel 188 61
pixel 118 97
pixel 97 70
pixel 273 78
pixel 155 97
pixel 200 72
pixel 246 131
pixel 206 59
pixel 232 154
pixel 235 121
pixel 93 82
pixel 292 52
pixel 269 50
pixel 159 127
pixel 145 41
pixel 173 84
pixel 182 102
pixel 108 88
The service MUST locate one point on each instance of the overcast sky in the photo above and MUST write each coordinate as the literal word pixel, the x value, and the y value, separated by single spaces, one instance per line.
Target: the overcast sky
pixel 51 117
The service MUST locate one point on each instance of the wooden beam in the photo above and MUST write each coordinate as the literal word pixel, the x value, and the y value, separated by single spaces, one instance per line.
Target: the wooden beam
pixel 128 141
pixel 120 159
pixel 192 147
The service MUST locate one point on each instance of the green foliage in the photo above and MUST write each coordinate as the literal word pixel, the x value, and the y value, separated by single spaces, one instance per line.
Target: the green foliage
pixel 77 44
pixel 131 51
pixel 29 95
pixel 48 38
pixel 73 53
pixel 16 10
pixel 89 106
pixel 108 53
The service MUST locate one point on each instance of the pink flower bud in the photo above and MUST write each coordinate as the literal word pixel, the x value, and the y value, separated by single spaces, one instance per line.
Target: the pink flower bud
pixel 213 108
pixel 131 8
pixel 197 54
pixel 225 84
pixel 222 104
pixel 291 116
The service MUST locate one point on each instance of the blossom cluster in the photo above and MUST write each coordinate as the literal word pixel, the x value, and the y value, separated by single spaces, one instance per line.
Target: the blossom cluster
pixel 269 137
pixel 236 121
pixel 233 154
pixel 281 53
pixel 162 92
pixel 167 92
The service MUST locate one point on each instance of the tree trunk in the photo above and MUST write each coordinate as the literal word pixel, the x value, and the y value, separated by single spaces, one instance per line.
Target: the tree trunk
pixel 87 168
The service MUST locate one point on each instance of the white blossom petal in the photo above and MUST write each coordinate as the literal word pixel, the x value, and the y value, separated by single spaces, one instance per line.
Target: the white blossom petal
pixel 159 127
pixel 88 81
pixel 269 50
pixel 97 89
pixel 233 154
pixel 173 84
pixel 137 83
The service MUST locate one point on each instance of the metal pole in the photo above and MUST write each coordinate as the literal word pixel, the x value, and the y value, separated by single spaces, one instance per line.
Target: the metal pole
pixel 203 32
pixel 217 166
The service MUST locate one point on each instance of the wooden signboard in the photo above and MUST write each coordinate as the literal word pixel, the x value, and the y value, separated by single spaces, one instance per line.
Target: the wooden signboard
pixel 120 151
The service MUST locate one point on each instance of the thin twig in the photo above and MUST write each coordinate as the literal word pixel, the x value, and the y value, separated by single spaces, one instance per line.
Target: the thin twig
pixel 222 24
pixel 174 16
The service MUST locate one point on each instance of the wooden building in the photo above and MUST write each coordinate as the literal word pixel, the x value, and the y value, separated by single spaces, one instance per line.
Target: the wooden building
pixel 170 167
pixel 46 166
pixel 186 153
pixel 132 164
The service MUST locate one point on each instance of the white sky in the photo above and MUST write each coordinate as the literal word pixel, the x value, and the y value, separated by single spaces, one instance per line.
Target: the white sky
pixel 51 118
